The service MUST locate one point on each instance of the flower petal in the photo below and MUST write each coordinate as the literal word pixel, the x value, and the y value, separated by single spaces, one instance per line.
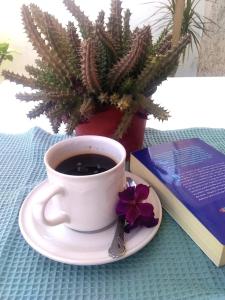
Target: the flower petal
pixel 146 209
pixel 127 194
pixel 141 192
pixel 122 208
pixel 132 214
pixel 148 222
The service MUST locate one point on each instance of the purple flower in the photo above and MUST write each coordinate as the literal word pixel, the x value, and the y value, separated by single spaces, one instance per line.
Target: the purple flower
pixel 133 210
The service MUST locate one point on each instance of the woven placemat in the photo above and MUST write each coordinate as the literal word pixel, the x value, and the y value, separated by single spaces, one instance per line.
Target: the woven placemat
pixel 170 267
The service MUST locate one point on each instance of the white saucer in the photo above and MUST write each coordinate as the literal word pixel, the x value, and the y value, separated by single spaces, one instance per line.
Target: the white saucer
pixel 68 246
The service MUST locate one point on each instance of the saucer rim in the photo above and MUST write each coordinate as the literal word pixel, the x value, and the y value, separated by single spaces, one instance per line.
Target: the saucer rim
pixel 85 261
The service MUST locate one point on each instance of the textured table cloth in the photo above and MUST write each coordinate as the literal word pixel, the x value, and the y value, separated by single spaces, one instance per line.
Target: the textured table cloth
pixel 170 267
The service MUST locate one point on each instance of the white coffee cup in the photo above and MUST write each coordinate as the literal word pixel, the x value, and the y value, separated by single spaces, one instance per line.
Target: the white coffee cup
pixel 85 203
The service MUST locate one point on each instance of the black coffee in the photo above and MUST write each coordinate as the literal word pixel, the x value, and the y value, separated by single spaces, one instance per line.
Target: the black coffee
pixel 85 164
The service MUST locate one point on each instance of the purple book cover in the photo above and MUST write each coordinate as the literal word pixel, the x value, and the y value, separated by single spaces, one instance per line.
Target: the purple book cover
pixel 195 173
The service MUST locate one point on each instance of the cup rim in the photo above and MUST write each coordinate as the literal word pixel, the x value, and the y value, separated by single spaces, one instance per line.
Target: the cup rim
pixel 122 160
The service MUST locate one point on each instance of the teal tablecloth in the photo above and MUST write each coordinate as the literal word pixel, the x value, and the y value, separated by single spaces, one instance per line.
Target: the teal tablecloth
pixel 170 267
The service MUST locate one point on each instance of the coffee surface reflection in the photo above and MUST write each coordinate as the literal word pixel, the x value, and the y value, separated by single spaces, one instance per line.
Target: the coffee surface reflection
pixel 85 164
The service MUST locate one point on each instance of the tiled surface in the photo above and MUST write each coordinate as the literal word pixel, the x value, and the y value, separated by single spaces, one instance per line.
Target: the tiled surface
pixel 170 267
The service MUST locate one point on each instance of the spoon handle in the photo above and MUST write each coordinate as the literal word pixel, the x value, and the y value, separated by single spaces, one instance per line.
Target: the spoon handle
pixel 117 248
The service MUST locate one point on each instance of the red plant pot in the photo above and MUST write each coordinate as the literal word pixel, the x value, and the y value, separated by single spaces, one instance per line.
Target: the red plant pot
pixel 105 124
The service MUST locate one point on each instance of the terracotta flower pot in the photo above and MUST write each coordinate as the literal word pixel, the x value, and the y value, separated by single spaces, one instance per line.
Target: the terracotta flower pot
pixel 105 123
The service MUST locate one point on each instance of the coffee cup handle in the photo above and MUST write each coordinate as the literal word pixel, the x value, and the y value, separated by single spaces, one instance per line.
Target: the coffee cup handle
pixel 40 206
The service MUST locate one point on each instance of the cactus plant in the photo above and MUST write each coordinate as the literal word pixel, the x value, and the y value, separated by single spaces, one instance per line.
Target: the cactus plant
pixel 105 64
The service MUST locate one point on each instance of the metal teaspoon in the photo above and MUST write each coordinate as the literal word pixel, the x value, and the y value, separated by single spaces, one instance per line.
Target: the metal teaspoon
pixel 117 247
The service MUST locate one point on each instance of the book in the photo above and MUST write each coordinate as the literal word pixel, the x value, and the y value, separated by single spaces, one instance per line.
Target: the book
pixel 189 177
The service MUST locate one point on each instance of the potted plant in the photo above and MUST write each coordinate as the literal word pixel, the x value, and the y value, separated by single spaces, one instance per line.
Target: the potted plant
pixel 192 22
pixel 5 54
pixel 100 80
